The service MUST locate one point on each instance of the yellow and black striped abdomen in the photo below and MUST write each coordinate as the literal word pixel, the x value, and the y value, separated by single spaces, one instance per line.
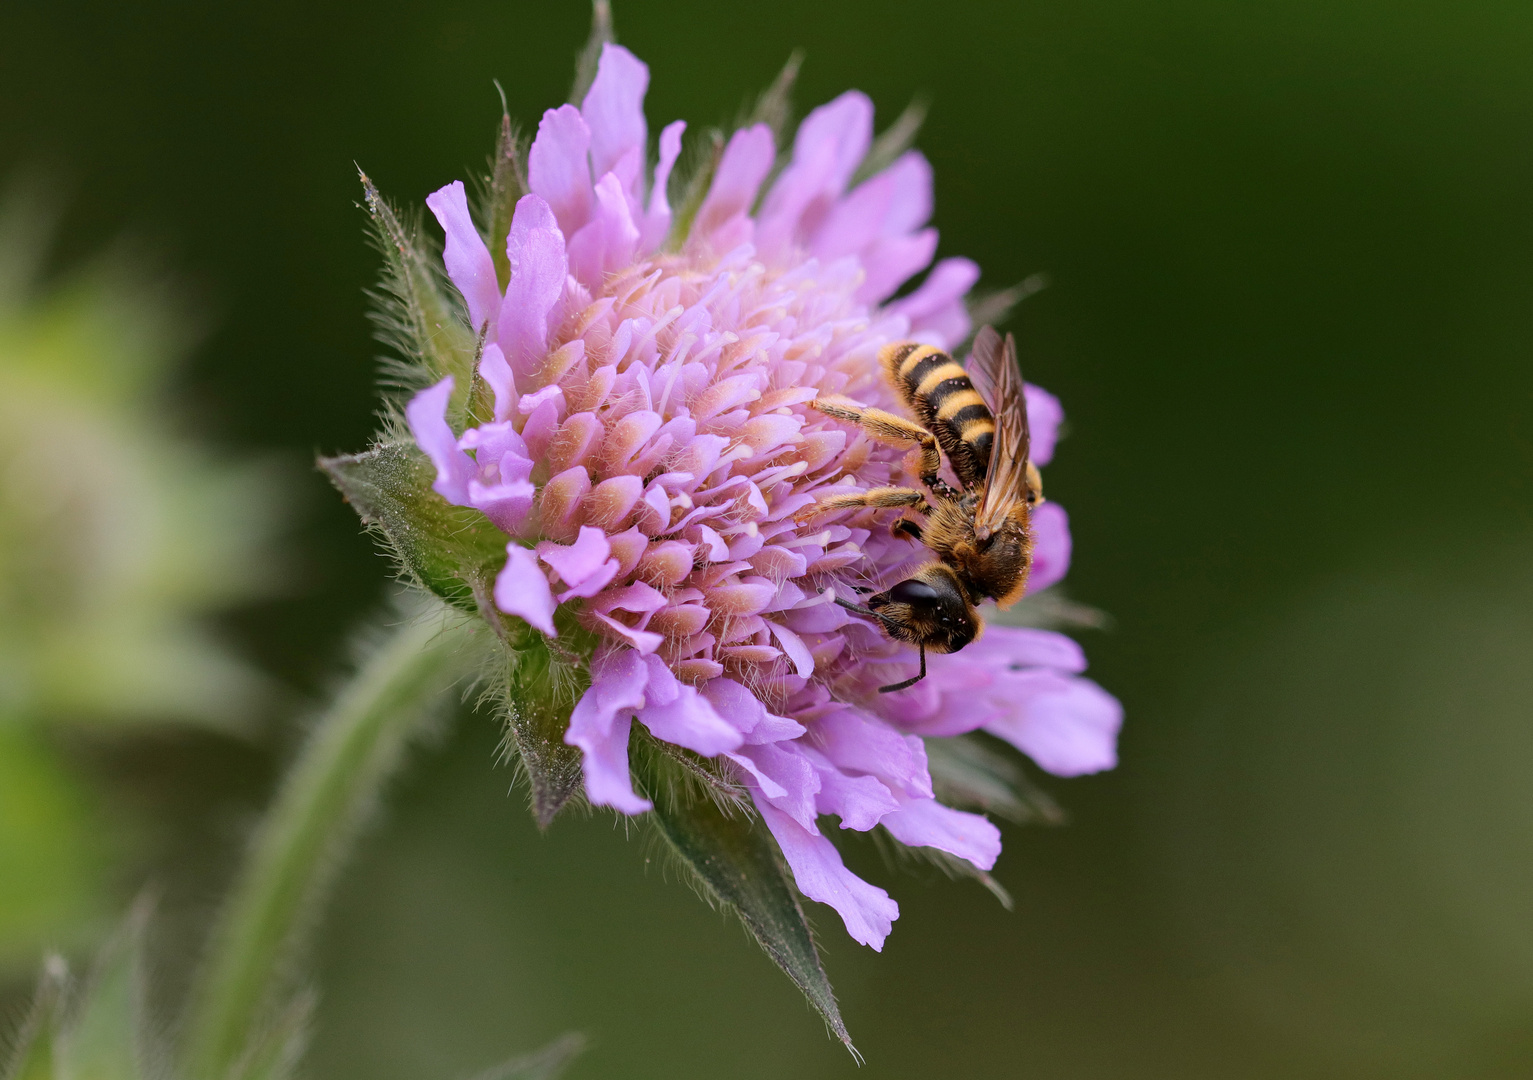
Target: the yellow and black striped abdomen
pixel 943 399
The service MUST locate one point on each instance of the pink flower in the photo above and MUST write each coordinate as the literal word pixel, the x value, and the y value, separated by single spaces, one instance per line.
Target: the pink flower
pixel 651 445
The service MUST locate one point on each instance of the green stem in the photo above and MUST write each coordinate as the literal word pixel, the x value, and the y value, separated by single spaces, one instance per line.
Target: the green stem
pixel 355 746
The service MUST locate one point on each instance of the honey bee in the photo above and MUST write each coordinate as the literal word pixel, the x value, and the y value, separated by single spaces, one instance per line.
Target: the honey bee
pixel 979 532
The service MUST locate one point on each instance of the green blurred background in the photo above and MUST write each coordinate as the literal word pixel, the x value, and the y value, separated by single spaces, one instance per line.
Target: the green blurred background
pixel 1291 247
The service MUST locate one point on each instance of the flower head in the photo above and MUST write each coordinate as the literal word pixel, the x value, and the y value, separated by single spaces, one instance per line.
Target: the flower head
pixel 643 447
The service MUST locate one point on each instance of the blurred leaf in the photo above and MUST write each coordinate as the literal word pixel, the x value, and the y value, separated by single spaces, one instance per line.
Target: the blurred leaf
pixel 737 864
pixel 117 536
pixel 354 748
pixel 417 313
pixel 275 1053
pixel 545 1064
pixel 106 1033
pixel 966 772
pixel 29 212
pixel 111 551
pixel 450 550
pixel 53 878
pixel 32 1055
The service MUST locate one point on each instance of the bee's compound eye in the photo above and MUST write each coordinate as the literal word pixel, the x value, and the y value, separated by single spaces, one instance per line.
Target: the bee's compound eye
pixel 913 591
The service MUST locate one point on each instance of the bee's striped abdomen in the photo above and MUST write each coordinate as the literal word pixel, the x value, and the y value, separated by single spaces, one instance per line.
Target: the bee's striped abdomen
pixel 938 391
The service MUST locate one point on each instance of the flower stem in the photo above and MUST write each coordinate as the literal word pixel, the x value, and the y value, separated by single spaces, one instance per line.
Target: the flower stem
pixel 328 792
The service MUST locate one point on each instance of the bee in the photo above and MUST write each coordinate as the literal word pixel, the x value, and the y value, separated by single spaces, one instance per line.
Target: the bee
pixel 979 532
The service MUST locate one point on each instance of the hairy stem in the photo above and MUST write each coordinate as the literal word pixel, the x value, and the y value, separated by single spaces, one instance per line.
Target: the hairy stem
pixel 327 794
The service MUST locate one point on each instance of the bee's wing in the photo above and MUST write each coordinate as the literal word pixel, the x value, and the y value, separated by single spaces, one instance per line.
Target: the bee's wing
pixel 995 372
pixel 985 361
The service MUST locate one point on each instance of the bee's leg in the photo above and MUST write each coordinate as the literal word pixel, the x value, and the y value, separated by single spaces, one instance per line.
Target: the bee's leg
pixel 878 498
pixel 888 428
pixel 908 682
pixel 905 529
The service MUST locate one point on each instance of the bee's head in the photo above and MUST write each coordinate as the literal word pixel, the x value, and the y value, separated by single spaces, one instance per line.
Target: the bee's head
pixel 928 609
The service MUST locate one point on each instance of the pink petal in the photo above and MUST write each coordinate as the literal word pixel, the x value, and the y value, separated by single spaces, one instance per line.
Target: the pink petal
pixel 605 765
pixel 502 490
pixel 1044 415
pixel 891 261
pixel 1019 647
pixel 949 280
pixel 746 161
pixel 1051 546
pixel 748 716
pixel 936 310
pixel 842 130
pixel 644 642
pixel 867 910
pixel 427 417
pixel 831 142
pixel 794 648
pixel 497 373
pixel 893 203
pixel 559 166
pixel 521 589
pixel 467 259
pixel 599 726
pixel 507 504
pixel 927 823
pixel 1069 726
pixel 861 802
pixel 492 442
pixel 657 219
pixel 607 242
pixel 690 721
pixel 614 110
pixel 785 777
pixel 539 267
pixel 636 597
pixel 856 742
pixel 586 566
pixel 910 205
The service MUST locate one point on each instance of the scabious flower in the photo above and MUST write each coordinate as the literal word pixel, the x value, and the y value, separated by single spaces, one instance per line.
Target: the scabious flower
pixel 650 451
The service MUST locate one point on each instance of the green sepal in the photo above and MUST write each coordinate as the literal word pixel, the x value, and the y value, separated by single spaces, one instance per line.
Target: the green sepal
pixel 418 314
pixel 544 680
pixel 892 142
pixel 736 863
pixel 976 772
pixel 589 57
pixel 506 184
pixel 698 166
pixel 774 107
pixel 455 551
pixel 994 308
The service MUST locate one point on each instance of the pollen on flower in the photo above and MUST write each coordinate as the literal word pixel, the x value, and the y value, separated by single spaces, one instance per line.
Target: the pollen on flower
pixel 651 453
